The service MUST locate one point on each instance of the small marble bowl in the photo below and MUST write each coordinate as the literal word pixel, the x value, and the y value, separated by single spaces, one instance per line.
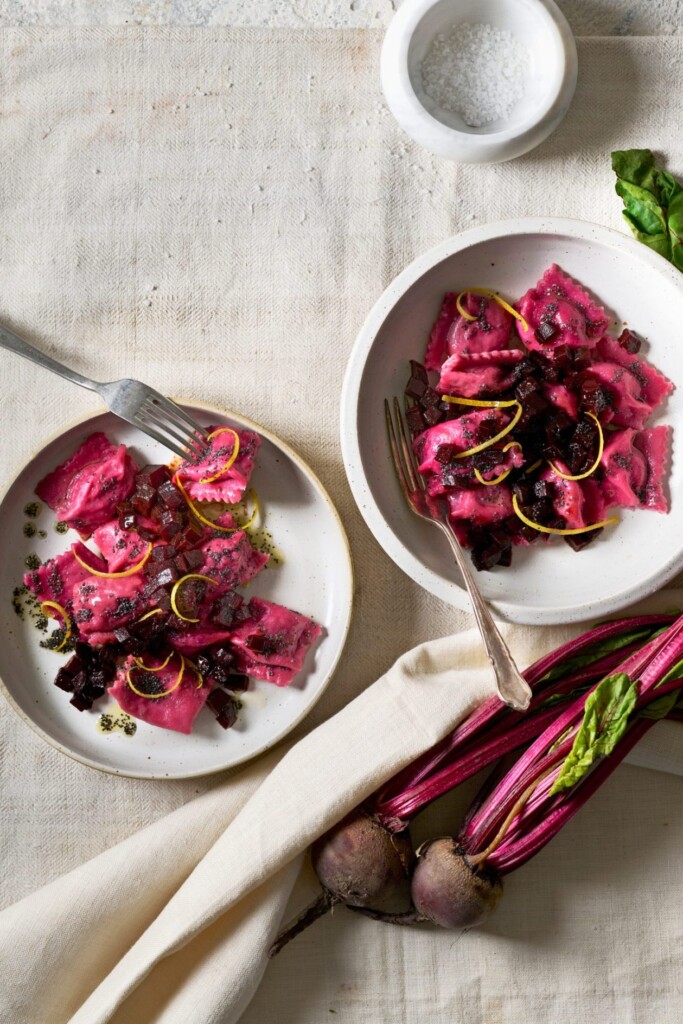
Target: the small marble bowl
pixel 549 81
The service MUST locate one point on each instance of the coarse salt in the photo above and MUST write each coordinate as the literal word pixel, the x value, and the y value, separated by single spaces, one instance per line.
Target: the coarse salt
pixel 477 71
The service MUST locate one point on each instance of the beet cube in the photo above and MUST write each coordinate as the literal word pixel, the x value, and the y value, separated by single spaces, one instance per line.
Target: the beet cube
pixel 223 656
pixel 170 495
pixel 432 416
pixel 64 680
pixel 415 388
pixel 415 421
pixel 81 701
pixel 429 398
pixel 417 370
pixel 238 682
pixel 630 341
pixel 546 331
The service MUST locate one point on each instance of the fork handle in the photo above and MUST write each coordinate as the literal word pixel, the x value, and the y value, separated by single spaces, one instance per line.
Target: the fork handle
pixel 13 343
pixel 512 687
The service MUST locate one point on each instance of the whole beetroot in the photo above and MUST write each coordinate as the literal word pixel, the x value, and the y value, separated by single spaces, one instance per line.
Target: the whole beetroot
pixel 359 863
pixel 447 890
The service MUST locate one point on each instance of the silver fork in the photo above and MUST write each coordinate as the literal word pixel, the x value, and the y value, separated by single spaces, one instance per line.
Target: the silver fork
pixel 513 689
pixel 133 401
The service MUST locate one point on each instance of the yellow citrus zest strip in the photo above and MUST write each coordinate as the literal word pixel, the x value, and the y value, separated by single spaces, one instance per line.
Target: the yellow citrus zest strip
pixel 193 509
pixel 228 464
pixel 488 294
pixel 148 615
pixel 65 619
pixel 178 584
pixel 487 405
pixel 156 696
pixel 199 675
pixel 150 668
pixel 560 533
pixel 209 522
pixel 533 466
pixel 589 472
pixel 504 474
pixel 254 515
pixel 117 575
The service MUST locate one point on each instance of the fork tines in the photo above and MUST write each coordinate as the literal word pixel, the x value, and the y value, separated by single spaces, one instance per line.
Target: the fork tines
pixel 169 425
pixel 408 475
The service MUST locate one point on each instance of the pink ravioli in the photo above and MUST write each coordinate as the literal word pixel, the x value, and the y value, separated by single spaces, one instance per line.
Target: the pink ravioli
pixel 102 605
pixel 481 505
pixel 634 465
pixel 176 710
pixel 85 490
pixel 120 548
pixel 453 333
pixel 460 434
pixel 230 560
pixel 578 502
pixel 635 387
pixel 56 578
pixel 231 485
pixel 559 311
pixel 479 374
pixel 273 643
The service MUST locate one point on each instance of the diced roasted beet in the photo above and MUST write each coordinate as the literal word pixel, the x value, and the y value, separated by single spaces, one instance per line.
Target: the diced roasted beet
pixel 486 558
pixel 219 675
pixel 527 387
pixel 415 420
pixel 82 651
pixel 630 341
pixel 64 680
pixel 157 475
pixel 430 398
pixel 578 541
pixel 415 388
pixel 169 523
pixel 203 664
pixel 224 707
pixel 222 656
pixel 128 642
pixel 176 624
pixel 417 370
pixel 542 490
pixel 79 681
pixel 432 415
pixel 81 701
pixel 161 599
pixel 563 356
pixel 445 454
pixel 149 627
pixel 144 488
pixel 238 682
pixel 193 560
pixel 163 576
pixel 170 495
pixel 546 331
pixel 505 559
pixel 523 491
pixel 158 554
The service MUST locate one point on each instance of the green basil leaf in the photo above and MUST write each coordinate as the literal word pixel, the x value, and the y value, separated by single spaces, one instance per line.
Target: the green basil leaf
pixel 605 718
pixel 653 202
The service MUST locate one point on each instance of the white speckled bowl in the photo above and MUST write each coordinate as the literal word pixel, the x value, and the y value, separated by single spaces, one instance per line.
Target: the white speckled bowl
pixel 550 80
pixel 546 584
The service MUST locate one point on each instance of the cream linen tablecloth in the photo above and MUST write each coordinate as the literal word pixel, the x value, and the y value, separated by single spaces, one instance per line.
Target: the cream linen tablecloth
pixel 215 212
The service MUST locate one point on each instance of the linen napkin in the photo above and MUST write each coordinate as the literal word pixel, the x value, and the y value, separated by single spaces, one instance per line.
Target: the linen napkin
pixel 142 934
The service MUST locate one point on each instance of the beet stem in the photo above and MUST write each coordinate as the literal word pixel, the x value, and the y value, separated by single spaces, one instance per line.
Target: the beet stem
pixel 318 908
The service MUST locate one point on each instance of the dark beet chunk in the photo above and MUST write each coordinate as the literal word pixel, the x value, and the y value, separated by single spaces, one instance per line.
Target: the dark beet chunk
pixel 224 707
pixel 238 682
pixel 445 454
pixel 418 371
pixel 223 656
pixel 415 420
pixel 578 541
pixel 630 341
pixel 170 495
pixel 415 388
pixel 64 680
pixel 546 331
pixel 432 416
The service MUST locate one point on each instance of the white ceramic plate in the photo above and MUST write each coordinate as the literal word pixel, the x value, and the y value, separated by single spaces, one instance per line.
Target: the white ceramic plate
pixel 546 583
pixel 315 579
